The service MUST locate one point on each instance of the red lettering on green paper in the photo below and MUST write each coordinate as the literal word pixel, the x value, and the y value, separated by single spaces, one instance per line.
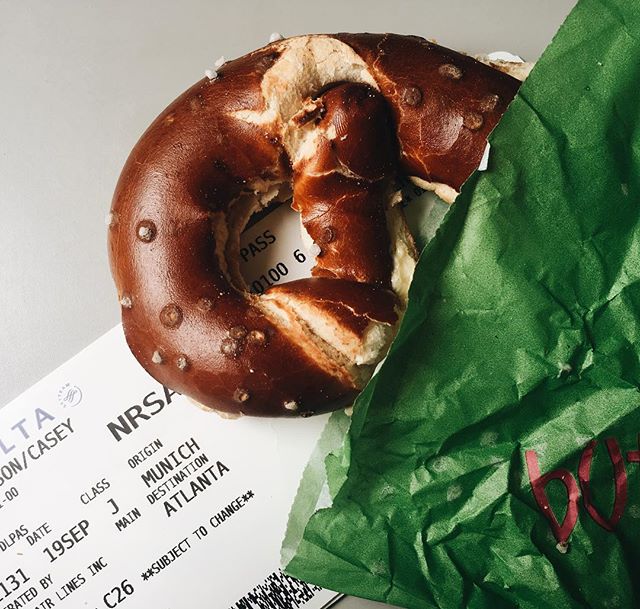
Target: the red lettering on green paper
pixel 562 531
pixel 620 483
pixel 539 483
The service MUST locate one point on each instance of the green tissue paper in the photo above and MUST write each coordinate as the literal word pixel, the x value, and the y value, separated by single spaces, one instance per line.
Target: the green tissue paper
pixel 493 461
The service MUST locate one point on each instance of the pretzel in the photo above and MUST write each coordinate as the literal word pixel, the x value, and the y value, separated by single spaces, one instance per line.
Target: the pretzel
pixel 332 121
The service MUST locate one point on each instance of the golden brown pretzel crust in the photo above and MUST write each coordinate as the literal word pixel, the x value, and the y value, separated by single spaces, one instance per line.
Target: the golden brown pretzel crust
pixel 342 189
pixel 189 176
pixel 444 103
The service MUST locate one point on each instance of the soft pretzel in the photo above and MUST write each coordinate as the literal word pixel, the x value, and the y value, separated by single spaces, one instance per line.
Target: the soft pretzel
pixel 332 121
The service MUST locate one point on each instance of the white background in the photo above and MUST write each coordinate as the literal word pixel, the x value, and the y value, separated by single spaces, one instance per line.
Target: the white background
pixel 79 82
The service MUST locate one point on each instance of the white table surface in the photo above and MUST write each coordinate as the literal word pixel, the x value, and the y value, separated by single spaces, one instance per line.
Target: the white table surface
pixel 81 80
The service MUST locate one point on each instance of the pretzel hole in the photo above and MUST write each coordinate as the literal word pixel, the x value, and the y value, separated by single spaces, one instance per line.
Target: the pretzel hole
pixel 272 250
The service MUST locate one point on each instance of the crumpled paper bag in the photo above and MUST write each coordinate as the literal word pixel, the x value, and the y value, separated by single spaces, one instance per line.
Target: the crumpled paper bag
pixel 494 459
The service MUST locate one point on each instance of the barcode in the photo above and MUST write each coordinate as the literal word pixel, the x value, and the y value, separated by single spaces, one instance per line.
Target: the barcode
pixel 278 591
